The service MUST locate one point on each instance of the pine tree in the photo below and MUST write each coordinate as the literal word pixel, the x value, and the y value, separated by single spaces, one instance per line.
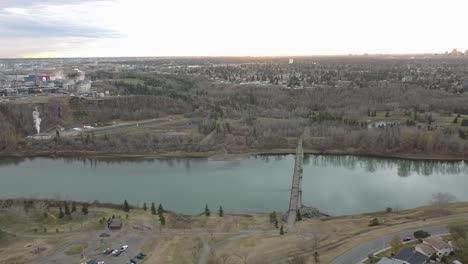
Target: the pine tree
pixel 316 257
pixel 67 210
pixel 153 209
pixel 126 207
pixel 61 215
pixel 84 209
pixel 160 209
pixel 221 211
pixel 281 230
pixel 162 219
pixel 207 210
pixel 273 217
pixel 73 209
pixel 144 207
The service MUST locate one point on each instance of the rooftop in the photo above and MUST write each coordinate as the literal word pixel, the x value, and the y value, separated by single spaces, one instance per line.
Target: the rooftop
pixel 411 257
pixel 425 249
pixel 436 242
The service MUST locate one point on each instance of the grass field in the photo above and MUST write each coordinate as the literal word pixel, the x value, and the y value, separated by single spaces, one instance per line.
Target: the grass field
pixel 76 249
pixel 248 237
pixel 131 81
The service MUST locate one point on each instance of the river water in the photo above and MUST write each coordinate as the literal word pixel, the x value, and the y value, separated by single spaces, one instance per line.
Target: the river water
pixel 335 184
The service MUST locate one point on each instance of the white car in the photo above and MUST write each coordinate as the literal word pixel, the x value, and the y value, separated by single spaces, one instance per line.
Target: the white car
pixel 115 251
pixel 101 262
pixel 124 248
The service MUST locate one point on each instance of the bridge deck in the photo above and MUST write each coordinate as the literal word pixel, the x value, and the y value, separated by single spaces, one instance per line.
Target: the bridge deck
pixel 295 201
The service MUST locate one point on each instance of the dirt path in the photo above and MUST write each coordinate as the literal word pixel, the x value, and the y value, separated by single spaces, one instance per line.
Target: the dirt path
pixel 205 251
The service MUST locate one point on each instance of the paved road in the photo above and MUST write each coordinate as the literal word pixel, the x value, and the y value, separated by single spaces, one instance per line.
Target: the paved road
pixel 184 123
pixel 361 252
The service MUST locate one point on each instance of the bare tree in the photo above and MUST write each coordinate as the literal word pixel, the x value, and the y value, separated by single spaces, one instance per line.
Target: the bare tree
pixel 440 203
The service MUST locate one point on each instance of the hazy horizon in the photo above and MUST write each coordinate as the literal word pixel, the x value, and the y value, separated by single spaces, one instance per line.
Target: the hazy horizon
pixel 209 28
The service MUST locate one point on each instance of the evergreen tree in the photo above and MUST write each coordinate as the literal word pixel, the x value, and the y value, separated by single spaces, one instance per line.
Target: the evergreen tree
pixel 126 207
pixel 162 219
pixel 221 211
pixel 160 209
pixel 153 209
pixel 316 257
pixel 281 230
pixel 298 215
pixel 207 210
pixel 273 217
pixel 144 207
pixel 455 121
pixel 67 210
pixel 61 215
pixel 84 209
pixel 73 209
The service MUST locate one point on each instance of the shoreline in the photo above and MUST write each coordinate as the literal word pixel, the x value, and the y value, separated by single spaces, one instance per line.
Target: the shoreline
pixel 233 156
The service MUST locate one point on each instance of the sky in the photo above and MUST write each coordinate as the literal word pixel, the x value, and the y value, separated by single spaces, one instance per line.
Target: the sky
pixel 113 28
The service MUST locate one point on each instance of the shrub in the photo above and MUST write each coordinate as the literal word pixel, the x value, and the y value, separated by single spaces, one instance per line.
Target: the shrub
pixel 421 234
pixel 374 222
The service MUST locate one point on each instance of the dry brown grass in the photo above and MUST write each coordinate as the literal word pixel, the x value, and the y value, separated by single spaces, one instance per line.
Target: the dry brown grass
pixel 240 238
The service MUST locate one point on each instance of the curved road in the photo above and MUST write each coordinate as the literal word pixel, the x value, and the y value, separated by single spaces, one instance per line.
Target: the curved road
pixel 361 252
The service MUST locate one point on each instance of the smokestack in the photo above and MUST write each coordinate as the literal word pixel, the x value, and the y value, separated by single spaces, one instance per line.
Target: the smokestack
pixel 37 120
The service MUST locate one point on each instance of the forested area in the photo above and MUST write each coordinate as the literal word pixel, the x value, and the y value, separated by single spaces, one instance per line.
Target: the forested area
pixel 395 118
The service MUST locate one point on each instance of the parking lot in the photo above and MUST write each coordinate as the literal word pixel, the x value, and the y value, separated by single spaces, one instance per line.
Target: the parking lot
pixel 96 244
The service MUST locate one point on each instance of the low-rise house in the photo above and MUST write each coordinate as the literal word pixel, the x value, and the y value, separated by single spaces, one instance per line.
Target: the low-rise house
pixel 425 249
pixel 114 224
pixel 441 247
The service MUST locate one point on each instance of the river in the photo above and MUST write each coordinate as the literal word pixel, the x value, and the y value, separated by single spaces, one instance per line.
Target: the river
pixel 335 184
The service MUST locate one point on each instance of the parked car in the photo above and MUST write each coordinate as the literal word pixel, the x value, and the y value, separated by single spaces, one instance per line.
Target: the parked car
pixel 118 253
pixel 140 256
pixel 108 251
pixel 132 261
pixel 124 248
pixel 115 251
pixel 101 262
pixel 406 239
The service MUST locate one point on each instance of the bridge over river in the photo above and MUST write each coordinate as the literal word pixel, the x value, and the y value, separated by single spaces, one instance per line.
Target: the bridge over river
pixel 295 200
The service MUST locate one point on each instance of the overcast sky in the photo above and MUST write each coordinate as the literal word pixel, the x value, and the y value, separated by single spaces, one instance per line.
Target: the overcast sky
pixel 72 28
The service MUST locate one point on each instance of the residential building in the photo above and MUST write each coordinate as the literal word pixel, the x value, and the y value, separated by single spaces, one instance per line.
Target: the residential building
pixel 425 249
pixel 441 247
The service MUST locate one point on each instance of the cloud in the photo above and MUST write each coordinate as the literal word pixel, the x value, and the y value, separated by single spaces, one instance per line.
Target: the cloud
pixel 222 27
pixel 29 3
pixel 53 19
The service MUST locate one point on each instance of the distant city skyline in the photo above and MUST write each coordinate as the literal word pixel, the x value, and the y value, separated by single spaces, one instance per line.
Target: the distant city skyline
pixel 118 28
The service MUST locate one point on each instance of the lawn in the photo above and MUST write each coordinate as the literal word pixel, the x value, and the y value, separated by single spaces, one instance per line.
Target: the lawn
pixel 76 249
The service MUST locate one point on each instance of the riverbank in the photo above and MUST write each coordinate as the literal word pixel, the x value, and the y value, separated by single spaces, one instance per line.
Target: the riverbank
pixel 237 155
pixel 179 240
